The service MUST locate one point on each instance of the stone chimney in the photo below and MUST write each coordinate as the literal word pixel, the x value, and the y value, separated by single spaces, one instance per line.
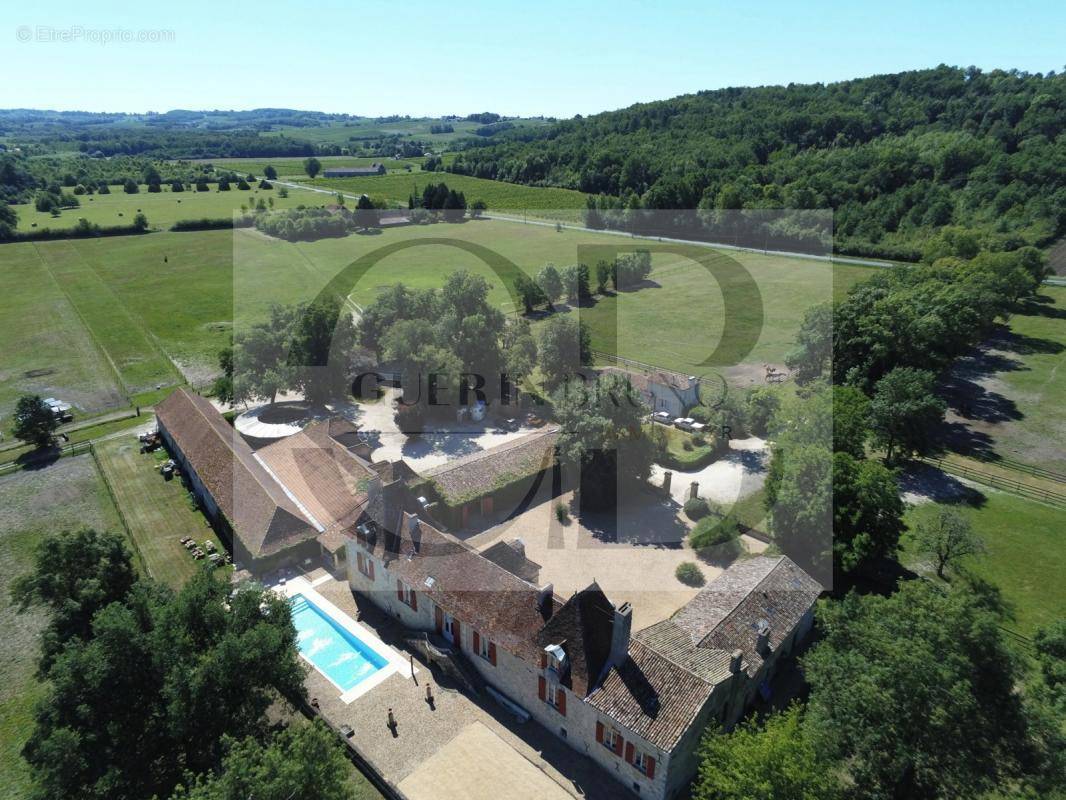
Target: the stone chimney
pixel 736 660
pixel 620 630
pixel 762 640
pixel 544 597
pixel 414 530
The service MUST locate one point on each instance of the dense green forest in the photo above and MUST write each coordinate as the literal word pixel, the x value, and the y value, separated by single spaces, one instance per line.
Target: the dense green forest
pixel 895 156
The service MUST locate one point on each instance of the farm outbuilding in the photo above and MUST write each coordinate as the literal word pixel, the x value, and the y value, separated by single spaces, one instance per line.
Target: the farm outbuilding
pixel 354 172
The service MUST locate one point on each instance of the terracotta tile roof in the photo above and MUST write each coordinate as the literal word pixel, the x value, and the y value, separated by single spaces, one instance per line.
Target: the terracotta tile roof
pixel 582 627
pixel 512 557
pixel 780 599
pixel 651 696
pixel 718 599
pixel 456 577
pixel 321 472
pixel 675 665
pixel 477 474
pixel 670 640
pixel 264 518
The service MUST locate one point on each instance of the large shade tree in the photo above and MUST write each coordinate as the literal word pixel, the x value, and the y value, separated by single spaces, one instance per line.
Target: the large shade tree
pixel 157 685
pixel 34 421
pixel 916 694
pixel 905 412
pixel 305 761
pixel 602 437
pixel 772 760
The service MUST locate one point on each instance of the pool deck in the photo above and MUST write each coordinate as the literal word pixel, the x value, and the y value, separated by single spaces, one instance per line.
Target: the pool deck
pixel 525 755
pixel 395 663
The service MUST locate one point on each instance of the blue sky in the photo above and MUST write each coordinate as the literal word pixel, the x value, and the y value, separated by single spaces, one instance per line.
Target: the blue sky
pixel 527 58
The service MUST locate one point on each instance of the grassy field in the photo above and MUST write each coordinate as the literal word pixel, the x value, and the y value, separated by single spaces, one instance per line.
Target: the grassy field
pixel 563 204
pixel 157 511
pixel 162 209
pixel 294 167
pixel 68 494
pixel 1034 382
pixel 121 320
pixel 1026 555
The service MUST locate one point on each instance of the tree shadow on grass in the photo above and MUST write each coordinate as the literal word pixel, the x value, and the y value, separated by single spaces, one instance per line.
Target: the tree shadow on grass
pixel 1042 306
pixel 925 481
pixel 39 459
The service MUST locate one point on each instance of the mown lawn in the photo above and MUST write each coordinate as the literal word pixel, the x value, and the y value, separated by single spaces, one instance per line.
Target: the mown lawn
pixel 33 504
pixel 1035 383
pixel 1026 555
pixel 47 347
pixel 162 209
pixel 512 198
pixel 124 316
pixel 157 511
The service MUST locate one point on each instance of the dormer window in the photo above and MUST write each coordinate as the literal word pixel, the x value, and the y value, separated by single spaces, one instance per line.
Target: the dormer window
pixel 555 660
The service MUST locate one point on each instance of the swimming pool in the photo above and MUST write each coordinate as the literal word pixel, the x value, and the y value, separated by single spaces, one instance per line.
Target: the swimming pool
pixel 337 653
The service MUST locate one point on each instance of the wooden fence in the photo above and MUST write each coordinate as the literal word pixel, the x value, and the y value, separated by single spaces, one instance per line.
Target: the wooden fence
pixel 999 482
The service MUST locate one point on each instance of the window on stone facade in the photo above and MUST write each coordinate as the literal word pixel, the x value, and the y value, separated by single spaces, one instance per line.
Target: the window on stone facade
pixel 365 565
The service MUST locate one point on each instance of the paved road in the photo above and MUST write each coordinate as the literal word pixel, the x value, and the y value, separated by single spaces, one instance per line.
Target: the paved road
pixel 861 262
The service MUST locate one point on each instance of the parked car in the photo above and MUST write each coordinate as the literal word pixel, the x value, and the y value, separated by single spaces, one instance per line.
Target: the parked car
pixel 662 417
pixel 510 424
pixel 60 410
pixel 684 423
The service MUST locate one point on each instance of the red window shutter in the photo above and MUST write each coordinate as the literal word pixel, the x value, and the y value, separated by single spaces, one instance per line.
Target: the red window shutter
pixel 359 561
pixel 371 565
pixel 456 635
pixel 492 653
pixel 438 618
pixel 651 766
pixel 543 659
pixel 540 687
pixel 619 743
pixel 629 752
pixel 560 700
pixel 414 600
pixel 599 733
pixel 477 642
pixel 399 589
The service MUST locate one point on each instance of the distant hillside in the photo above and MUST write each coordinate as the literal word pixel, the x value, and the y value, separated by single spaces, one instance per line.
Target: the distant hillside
pixel 896 156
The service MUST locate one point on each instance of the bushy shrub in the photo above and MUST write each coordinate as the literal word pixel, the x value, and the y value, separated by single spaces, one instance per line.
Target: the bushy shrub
pixel 696 508
pixel 562 513
pixel 712 531
pixel 689 574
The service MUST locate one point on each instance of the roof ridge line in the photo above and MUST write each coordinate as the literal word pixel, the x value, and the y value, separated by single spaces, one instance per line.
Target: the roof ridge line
pixel 677 664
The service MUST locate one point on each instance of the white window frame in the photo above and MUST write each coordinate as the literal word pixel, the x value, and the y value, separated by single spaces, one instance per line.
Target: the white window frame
pixel 609 736
pixel 551 693
pixel 483 645
pixel 408 595
pixel 640 761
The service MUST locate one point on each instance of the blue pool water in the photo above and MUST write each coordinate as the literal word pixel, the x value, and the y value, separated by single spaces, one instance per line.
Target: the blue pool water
pixel 335 652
